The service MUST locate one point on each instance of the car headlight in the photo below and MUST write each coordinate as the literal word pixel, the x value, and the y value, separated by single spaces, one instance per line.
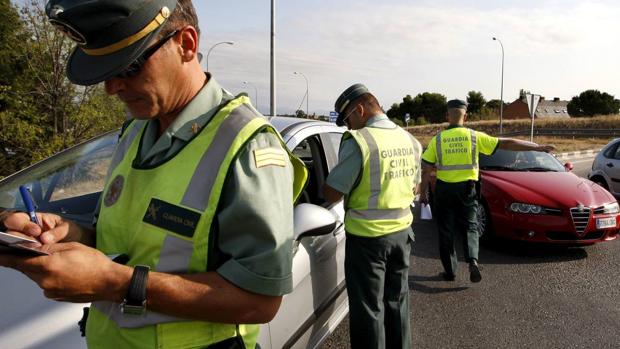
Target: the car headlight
pixel 519 207
pixel 611 208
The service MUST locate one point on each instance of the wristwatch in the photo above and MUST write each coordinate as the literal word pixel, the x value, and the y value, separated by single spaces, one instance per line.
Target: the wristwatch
pixel 135 299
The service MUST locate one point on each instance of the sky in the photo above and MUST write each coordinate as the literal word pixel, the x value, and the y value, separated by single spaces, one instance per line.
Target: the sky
pixel 397 47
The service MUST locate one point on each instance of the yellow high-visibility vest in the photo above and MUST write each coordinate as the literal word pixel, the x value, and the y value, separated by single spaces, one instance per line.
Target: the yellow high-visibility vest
pixel 455 153
pixel 380 203
pixel 162 217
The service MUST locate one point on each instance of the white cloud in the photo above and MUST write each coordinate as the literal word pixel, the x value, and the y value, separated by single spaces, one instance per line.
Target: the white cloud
pixel 555 50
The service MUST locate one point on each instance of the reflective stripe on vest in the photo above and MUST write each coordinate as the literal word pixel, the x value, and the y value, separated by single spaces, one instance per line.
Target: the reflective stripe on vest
pixel 204 177
pixel 380 214
pixel 375 169
pixel 126 140
pixel 474 161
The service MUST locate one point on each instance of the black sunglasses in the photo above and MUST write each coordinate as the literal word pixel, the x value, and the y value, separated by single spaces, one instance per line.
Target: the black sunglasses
pixel 134 68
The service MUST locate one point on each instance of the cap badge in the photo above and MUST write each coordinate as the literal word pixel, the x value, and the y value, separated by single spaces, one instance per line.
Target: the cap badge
pixel 165 12
pixel 68 30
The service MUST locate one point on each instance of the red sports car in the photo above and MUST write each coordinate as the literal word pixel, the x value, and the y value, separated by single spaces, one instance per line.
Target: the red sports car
pixel 531 196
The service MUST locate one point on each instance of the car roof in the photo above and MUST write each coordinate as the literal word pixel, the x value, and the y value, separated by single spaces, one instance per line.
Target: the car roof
pixel 284 123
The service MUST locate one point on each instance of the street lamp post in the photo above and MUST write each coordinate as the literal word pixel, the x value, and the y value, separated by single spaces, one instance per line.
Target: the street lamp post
pixel 501 106
pixel 272 62
pixel 255 92
pixel 307 90
pixel 212 47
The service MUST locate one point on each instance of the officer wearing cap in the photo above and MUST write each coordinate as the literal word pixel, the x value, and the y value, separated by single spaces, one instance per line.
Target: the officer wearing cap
pixel 454 153
pixel 377 173
pixel 198 200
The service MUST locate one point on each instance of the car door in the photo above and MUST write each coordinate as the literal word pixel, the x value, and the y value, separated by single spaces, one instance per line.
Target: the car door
pixel 318 301
pixel 611 166
pixel 68 184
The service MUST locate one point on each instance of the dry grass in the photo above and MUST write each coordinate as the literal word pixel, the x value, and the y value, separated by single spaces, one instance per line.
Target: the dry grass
pixel 563 144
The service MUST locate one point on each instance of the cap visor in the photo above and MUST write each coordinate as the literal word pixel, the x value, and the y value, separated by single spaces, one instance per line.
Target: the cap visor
pixel 83 69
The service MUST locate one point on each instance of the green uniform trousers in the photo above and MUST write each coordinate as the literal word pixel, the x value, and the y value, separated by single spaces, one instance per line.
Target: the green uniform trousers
pixel 377 274
pixel 456 213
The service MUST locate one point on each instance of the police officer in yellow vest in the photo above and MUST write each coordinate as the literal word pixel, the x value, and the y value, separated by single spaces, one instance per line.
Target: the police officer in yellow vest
pixel 377 173
pixel 199 196
pixel 454 152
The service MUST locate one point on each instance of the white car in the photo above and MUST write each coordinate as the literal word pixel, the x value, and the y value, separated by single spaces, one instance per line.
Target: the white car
pixel 606 168
pixel 69 184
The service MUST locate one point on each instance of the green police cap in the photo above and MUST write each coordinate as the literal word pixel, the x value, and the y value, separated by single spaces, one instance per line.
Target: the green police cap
pixel 457 104
pixel 110 34
pixel 349 95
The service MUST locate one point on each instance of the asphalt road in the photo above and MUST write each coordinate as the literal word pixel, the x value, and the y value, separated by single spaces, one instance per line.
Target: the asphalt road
pixel 530 296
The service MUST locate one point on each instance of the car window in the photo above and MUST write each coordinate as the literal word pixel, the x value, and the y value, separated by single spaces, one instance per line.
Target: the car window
pixel 75 173
pixel 311 152
pixel 335 139
pixel 616 152
pixel 504 160
pixel 610 152
pixel 331 142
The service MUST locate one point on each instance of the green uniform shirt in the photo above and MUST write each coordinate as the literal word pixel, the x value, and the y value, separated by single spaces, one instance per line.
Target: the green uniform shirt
pixel 248 219
pixel 345 176
pixel 485 144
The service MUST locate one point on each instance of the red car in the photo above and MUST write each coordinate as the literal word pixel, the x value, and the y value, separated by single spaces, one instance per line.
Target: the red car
pixel 530 196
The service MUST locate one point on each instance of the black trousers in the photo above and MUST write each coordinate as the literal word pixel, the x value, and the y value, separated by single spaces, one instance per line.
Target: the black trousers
pixel 377 274
pixel 456 208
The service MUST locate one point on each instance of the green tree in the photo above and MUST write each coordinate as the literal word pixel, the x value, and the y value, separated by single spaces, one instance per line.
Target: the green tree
pixel 393 112
pixel 300 114
pixel 43 112
pixel 593 102
pixel 475 102
pixel 494 105
pixel 12 53
pixel 430 106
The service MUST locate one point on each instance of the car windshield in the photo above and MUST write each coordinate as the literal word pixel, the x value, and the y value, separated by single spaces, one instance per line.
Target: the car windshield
pixel 77 172
pixel 504 160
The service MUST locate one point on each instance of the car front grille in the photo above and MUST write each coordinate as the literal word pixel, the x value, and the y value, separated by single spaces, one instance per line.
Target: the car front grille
pixel 581 217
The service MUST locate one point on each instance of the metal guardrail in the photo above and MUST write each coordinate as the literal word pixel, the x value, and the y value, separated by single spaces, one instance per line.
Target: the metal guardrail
pixel 575 132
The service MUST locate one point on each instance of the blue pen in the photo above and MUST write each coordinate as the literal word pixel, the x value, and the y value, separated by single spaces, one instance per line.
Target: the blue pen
pixel 29 204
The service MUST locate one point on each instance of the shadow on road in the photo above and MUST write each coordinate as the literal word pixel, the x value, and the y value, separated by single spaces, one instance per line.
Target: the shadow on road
pixel 496 251
pixel 414 284
pixel 516 252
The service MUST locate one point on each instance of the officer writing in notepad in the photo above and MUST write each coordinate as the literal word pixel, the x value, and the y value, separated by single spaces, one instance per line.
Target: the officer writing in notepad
pixel 199 196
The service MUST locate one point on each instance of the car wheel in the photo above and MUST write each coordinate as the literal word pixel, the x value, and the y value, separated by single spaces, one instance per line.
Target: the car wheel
pixel 484 222
pixel 600 181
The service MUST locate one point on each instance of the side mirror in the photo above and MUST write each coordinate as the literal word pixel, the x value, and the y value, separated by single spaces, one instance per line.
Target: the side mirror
pixel 568 166
pixel 312 220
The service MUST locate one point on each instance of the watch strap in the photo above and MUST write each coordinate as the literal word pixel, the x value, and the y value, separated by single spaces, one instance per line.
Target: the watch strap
pixel 135 299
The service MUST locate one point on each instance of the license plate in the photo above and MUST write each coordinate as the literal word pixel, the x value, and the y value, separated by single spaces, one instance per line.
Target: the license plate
pixel 602 223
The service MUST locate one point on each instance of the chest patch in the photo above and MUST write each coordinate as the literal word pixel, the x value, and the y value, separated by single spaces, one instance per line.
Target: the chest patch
pixel 114 191
pixel 171 217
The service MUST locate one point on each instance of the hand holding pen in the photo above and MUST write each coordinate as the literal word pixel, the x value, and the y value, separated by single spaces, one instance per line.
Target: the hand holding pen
pixel 29 203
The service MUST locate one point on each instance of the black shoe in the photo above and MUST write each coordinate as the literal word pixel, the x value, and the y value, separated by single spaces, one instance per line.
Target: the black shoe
pixel 447 277
pixel 474 271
